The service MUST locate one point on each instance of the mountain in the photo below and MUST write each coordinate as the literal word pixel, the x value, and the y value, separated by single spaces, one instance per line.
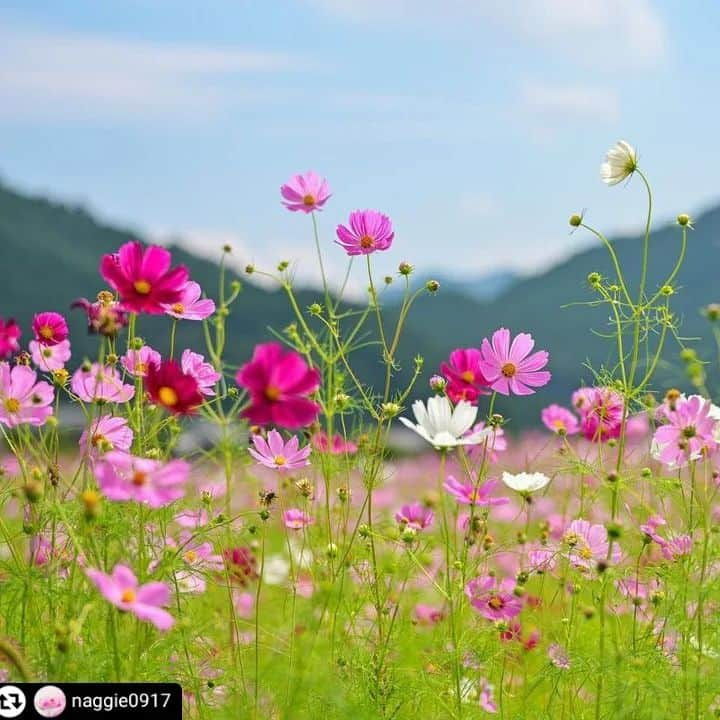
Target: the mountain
pixel 483 287
pixel 49 255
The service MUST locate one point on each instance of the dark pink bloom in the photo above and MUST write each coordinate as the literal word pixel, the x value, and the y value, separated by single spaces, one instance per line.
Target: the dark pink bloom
pixel 175 390
pixel 307 192
pixel 277 454
pixel 511 368
pixel 123 590
pixel 493 599
pixel 207 377
pixel 9 337
pixel 415 515
pixel 143 278
pixel 369 231
pixel 106 434
pixel 559 420
pixel 279 383
pixel 338 446
pixel 466 494
pixel 190 306
pixel 138 362
pixel 23 400
pixel 588 544
pixel 296 519
pixel 125 477
pixel 601 414
pixel 104 316
pixel 100 383
pixel 49 357
pixel 50 328
pixel 241 563
pixel 465 380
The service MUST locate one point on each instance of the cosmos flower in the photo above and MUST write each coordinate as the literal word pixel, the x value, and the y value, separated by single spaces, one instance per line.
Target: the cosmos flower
pixel 23 400
pixel 601 413
pixel 465 380
pixel 277 454
pixel 176 391
pixel 106 434
pixel 588 544
pixel 104 316
pixel 9 337
pixel 493 598
pixel 100 383
pixel 295 519
pixel 559 420
pixel 50 357
pixel 511 368
pixel 415 515
pixel 206 376
pixel 338 446
pixel 525 482
pixel 368 231
pixel 621 162
pixel 466 493
pixel 190 305
pixel 50 328
pixel 138 362
pixel 307 192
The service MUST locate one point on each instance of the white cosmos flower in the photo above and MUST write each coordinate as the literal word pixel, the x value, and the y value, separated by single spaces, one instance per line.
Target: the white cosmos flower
pixel 525 482
pixel 620 162
pixel 444 426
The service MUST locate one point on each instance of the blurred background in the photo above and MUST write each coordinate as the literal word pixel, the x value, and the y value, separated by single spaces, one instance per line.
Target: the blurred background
pixel 479 127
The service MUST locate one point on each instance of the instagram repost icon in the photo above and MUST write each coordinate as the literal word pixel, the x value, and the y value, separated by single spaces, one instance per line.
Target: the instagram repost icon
pixel 12 701
pixel 49 701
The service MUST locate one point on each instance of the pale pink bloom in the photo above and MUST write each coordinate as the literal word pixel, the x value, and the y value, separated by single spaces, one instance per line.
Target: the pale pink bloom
pixel 510 368
pixel 306 192
pixel 559 657
pixel 486 698
pixel 559 420
pixel 138 362
pixel 582 398
pixel 190 306
pixel 296 519
pixel 199 559
pixel 125 477
pixel 23 400
pixel 415 515
pixel 123 590
pixel 635 589
pixel 105 434
pixel 207 377
pixel 243 602
pixel 50 357
pixel 465 493
pixel 427 614
pixel 542 559
pixel 100 383
pixel 588 544
pixel 493 598
pixel 650 526
pixel 676 547
pixel 277 454
pixel 192 518
pixel 338 446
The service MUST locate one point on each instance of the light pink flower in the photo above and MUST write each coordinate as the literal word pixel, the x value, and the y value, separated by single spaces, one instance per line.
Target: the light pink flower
pixel 194 364
pixel 428 614
pixel 493 598
pixel 23 400
pixel 559 420
pixel 415 515
pixel 277 454
pixel 123 590
pixel 100 383
pixel 106 434
pixel 510 368
pixel 588 544
pixel 558 657
pixel 486 697
pixel 125 477
pixel 50 357
pixel 307 192
pixel 192 518
pixel 199 559
pixel 369 231
pixel 466 494
pixel 190 306
pixel 138 362
pixel 295 519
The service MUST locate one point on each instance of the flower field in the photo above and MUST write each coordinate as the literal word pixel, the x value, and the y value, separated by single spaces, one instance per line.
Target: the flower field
pixel 303 565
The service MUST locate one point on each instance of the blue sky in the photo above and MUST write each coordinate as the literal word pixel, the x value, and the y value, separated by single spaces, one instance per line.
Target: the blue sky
pixel 478 126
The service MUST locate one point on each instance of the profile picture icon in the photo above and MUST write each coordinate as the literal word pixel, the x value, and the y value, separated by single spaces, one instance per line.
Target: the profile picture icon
pixel 50 701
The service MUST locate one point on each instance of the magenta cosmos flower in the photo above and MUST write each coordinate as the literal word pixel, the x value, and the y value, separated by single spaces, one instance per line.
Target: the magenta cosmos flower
pixel 415 515
pixel 123 590
pixel 152 482
pixel 100 383
pixel 191 306
pixel 105 434
pixel 277 454
pixel 49 357
pixel 493 599
pixel 279 382
pixel 601 413
pixel 466 493
pixel 307 192
pixel 559 420
pixel 205 375
pixel 9 337
pixel 296 519
pixel 368 231
pixel 23 400
pixel 138 362
pixel 510 368
pixel 588 544
pixel 338 446
pixel 50 328
pixel 465 380
pixel 143 278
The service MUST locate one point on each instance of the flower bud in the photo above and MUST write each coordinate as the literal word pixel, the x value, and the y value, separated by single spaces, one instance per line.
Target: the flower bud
pixel 315 309
pixel 249 269
pixel 667 290
pixel 33 490
pixel 684 220
pixel 405 268
pixel 283 265
pixel 408 535
pixel 438 383
pixel 688 355
pixel 576 220
pixel 589 612
pixel 264 514
pixel 342 401
pixel 614 530
pixel 712 312
pixel 60 377
pixel 91 500
pixel 137 343
pixel 388 279
pixel 331 550
pixel 646 473
pixel 227 248
pixel 390 410
pixel 432 286
pixel 594 279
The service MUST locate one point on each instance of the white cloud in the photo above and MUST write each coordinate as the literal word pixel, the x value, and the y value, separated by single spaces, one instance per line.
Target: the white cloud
pixel 570 101
pixel 59 74
pixel 608 32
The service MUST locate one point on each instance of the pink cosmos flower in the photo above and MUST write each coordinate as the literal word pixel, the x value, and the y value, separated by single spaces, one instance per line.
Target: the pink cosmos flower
pixel 588 544
pixel 338 446
pixel 601 413
pixel 100 383
pixel 9 337
pixel 559 420
pixel 511 368
pixel 194 364
pixel 582 398
pixel 465 380
pixel 143 278
pixel 369 231
pixel 307 192
pixel 106 434
pixel 427 614
pixel 277 454
pixel 199 559
pixel 514 633
pixel 190 306
pixel 558 657
pixel 103 316
pixel 486 697
pixel 493 598
pixel 192 518
pixel 279 382
pixel 50 357
pixel 125 477
pixel 688 435
pixel 50 328
pixel 672 547
pixel 415 515
pixel 123 590
pixel 466 494
pixel 174 389
pixel 23 400
pixel 541 559
pixel 296 519
pixel 138 362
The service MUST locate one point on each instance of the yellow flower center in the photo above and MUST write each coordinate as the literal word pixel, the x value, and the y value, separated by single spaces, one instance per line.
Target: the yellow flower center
pixel 309 200
pixel 468 376
pixel 279 460
pixel 98 439
pixel 366 242
pixel 12 405
pixel 141 367
pixel 508 370
pixel 178 308
pixel 139 478
pixel 586 553
pixel 272 393
pixel 191 556
pixel 128 596
pixel 495 602
pixel 168 396
pixel 142 287
pixel 559 425
pixel 46 332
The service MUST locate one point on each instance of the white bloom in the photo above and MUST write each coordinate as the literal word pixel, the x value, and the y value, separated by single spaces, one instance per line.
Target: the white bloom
pixel 620 162
pixel 525 482
pixel 444 426
pixel 276 570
